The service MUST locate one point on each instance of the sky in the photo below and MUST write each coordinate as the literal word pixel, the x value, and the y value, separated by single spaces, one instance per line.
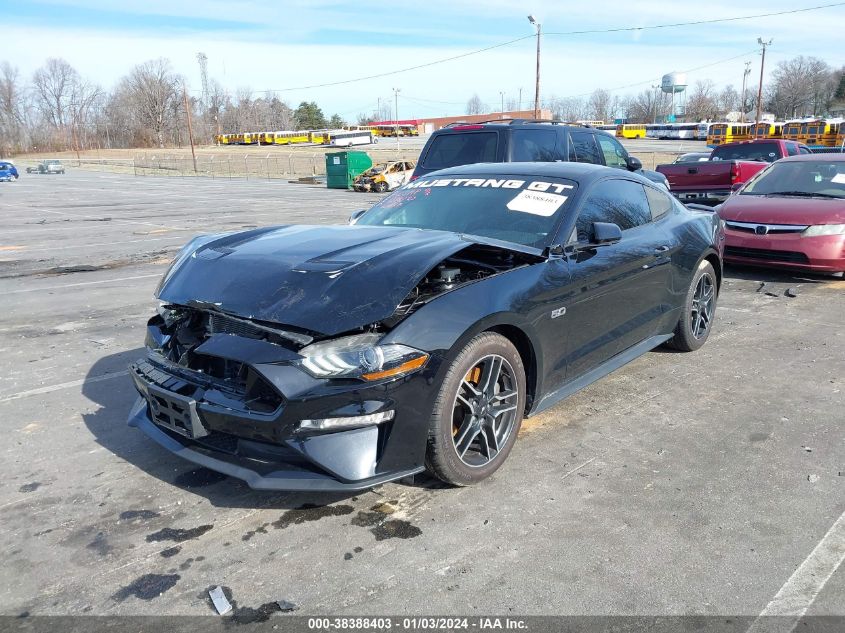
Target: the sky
pixel 287 45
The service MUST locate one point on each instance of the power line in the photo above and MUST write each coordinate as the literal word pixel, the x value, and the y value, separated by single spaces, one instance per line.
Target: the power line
pixel 558 33
pixel 698 22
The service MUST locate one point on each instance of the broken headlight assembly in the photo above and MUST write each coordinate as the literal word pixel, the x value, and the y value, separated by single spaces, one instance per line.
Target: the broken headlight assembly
pixel 360 356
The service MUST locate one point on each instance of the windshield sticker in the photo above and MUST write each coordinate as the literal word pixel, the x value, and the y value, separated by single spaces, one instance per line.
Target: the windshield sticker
pixel 838 179
pixel 537 203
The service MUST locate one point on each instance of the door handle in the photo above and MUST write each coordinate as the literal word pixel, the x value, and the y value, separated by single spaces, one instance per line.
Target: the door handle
pixel 660 250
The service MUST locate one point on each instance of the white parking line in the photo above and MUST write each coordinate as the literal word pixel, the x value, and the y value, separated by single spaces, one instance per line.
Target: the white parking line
pixel 81 283
pixel 782 614
pixel 64 385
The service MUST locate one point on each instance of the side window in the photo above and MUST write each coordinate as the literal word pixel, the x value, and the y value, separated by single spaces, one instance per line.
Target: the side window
pixel 791 149
pixel 584 146
pixel 534 146
pixel 621 202
pixel 614 153
pixel 804 150
pixel 659 202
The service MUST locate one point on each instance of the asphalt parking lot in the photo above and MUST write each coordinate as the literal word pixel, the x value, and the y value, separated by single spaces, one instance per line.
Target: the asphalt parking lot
pixel 704 483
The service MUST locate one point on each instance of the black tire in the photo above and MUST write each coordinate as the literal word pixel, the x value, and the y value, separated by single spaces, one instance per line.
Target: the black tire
pixel 380 187
pixel 485 426
pixel 699 310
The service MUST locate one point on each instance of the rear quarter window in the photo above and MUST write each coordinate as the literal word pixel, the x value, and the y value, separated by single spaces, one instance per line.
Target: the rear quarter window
pixel 465 148
pixel 534 146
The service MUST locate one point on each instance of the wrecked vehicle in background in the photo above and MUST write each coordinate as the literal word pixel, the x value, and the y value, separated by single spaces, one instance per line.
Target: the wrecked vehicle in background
pixel 50 166
pixel 384 176
pixel 341 357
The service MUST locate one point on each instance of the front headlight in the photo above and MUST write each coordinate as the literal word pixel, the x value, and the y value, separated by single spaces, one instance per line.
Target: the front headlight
pixel 360 356
pixel 824 229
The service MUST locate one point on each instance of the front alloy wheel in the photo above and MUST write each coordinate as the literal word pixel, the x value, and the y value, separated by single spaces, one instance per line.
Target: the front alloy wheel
pixel 698 312
pixel 478 411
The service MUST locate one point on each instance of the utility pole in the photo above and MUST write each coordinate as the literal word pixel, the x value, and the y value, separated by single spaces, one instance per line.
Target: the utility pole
pixel 396 92
pixel 534 21
pixel 520 100
pixel 656 93
pixel 502 94
pixel 745 74
pixel 190 129
pixel 760 86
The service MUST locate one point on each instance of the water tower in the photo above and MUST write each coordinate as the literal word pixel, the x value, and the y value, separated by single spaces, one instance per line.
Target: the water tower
pixel 675 84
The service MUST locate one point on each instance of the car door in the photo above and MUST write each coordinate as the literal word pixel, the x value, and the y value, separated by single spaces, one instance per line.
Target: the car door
pixel 620 289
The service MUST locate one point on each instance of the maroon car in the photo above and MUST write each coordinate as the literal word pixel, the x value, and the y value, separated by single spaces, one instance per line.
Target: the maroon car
pixel 790 215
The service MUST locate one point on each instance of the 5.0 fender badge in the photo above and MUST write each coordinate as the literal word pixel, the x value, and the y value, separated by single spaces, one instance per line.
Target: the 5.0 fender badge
pixel 558 312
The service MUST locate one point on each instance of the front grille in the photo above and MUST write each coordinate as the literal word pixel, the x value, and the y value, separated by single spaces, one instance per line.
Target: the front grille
pixel 766 254
pixel 221 324
pixel 220 442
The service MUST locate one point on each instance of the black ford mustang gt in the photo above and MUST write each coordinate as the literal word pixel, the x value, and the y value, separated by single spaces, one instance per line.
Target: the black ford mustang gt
pixel 340 357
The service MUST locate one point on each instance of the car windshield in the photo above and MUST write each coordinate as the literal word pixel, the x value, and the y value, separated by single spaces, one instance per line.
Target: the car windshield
pixel 519 209
pixel 820 179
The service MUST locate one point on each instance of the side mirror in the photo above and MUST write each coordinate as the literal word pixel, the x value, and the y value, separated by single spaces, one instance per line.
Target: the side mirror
pixel 633 163
pixel 736 186
pixel 606 233
pixel 356 215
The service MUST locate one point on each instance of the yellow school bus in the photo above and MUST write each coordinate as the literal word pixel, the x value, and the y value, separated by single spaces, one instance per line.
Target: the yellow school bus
pixel 721 133
pixel 318 136
pixel 819 133
pixel 791 130
pixel 630 130
pixel 767 130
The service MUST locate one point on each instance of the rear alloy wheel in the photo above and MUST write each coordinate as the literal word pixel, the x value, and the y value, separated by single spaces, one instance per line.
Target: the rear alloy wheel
pixel 696 319
pixel 478 411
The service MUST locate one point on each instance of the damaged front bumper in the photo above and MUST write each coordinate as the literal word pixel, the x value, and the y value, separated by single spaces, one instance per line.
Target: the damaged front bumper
pixel 195 417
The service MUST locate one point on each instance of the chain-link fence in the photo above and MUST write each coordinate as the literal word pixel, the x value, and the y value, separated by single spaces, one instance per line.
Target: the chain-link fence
pixel 253 165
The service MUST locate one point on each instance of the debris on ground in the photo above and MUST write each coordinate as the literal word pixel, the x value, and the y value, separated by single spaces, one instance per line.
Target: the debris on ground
pixel 761 286
pixel 807 448
pixel 286 606
pixel 219 599
pixel 812 478
pixel 791 292
pixel 772 293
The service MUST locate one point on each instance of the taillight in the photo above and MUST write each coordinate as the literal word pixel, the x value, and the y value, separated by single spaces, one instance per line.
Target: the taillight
pixel 734 172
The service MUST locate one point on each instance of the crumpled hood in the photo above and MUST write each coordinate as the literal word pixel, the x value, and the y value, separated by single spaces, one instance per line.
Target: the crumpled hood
pixel 326 279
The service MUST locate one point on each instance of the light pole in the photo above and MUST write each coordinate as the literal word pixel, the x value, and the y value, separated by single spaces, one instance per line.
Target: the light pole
pixel 745 74
pixel 396 92
pixel 534 21
pixel 760 86
pixel 656 93
pixel 502 94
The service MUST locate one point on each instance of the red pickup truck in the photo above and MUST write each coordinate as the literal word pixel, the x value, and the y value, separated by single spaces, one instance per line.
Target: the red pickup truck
pixel 730 165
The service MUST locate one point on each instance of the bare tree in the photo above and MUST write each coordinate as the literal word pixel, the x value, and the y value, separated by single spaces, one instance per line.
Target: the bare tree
pixel 476 106
pixel 701 103
pixel 728 100
pixel 54 85
pixel 801 86
pixel 566 109
pixel 648 106
pixel 154 91
pixel 599 106
pixel 12 108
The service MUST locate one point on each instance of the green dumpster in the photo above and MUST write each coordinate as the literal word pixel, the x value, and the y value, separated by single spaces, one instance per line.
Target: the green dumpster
pixel 342 167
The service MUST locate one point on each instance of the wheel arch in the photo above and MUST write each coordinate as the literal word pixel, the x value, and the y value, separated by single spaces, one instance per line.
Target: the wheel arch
pixel 523 344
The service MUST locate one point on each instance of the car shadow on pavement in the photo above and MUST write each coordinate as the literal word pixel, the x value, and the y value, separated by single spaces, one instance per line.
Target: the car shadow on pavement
pixel 775 276
pixel 107 424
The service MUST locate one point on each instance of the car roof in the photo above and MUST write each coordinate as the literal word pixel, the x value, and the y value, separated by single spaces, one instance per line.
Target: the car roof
pixel 509 124
pixel 583 173
pixel 814 158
